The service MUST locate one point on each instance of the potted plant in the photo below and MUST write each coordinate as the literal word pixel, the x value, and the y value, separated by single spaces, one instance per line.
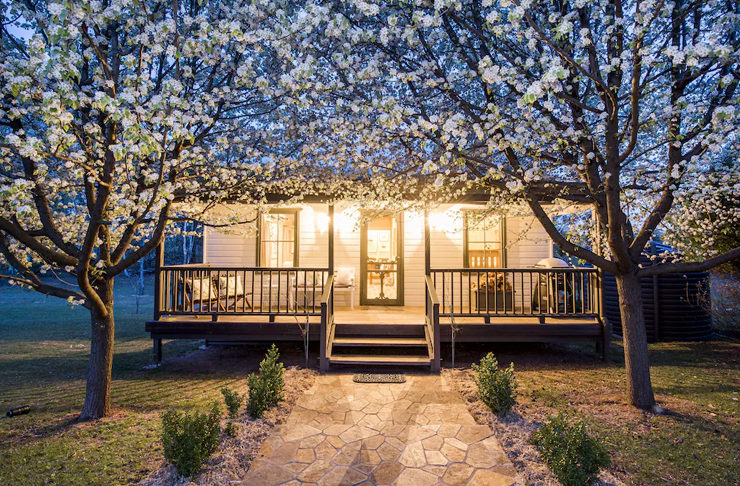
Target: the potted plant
pixel 494 293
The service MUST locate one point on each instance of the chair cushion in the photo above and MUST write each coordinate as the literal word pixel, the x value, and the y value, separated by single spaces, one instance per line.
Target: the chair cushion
pixel 344 277
pixel 201 288
pixel 230 286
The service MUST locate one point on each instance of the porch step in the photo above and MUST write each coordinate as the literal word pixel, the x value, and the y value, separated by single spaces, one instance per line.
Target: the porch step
pixel 361 344
pixel 382 330
pixel 381 324
pixel 379 341
pixel 380 360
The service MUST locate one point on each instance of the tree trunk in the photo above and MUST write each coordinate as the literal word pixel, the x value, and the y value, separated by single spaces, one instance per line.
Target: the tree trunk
pixel 635 341
pixel 97 392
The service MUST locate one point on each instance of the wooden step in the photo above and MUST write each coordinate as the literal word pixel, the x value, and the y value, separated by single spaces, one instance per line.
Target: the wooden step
pixel 380 360
pixel 379 341
pixel 380 330
pixel 380 324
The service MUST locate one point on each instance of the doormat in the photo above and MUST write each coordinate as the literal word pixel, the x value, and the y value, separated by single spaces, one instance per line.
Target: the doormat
pixel 378 378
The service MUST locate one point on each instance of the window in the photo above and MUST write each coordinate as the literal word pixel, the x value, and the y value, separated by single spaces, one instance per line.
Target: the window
pixel 484 240
pixel 278 239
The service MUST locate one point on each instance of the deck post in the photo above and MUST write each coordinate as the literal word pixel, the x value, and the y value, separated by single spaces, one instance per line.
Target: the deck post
pixel 158 264
pixel 331 243
pixel 436 359
pixel 327 308
pixel 602 347
pixel 323 361
pixel 606 327
pixel 432 313
pixel 427 254
pixel 158 350
pixel 427 244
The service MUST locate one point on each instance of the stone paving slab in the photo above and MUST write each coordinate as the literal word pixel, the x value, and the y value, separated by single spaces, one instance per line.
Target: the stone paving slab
pixel 417 433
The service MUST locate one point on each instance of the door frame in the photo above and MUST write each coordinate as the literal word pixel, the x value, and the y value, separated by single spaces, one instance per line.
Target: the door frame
pixel 398 301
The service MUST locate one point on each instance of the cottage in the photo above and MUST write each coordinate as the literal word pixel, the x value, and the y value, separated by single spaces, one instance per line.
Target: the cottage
pixel 385 288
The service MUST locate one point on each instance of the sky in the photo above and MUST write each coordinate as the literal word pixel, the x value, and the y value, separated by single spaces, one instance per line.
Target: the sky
pixel 17 31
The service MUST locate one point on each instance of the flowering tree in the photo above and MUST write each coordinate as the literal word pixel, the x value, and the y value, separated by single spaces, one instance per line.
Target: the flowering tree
pixel 112 113
pixel 614 102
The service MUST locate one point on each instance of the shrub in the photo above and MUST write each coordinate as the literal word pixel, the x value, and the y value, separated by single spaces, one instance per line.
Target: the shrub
pixel 230 430
pixel 233 401
pixel 571 454
pixel 497 388
pixel 190 439
pixel 266 389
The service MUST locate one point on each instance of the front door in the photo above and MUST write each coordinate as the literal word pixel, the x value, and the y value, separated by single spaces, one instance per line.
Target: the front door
pixel 381 265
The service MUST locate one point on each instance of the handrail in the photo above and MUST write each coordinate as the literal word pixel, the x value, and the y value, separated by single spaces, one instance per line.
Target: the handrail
pixel 200 266
pixel 327 323
pixel 431 290
pixel 326 296
pixel 518 270
pixel 432 323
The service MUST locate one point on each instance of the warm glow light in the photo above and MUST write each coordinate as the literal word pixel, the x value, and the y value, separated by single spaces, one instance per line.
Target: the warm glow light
pixel 448 221
pixel 322 222
pixel 345 221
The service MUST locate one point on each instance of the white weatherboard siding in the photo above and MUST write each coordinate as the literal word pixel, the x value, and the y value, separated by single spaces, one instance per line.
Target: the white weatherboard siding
pixel 527 244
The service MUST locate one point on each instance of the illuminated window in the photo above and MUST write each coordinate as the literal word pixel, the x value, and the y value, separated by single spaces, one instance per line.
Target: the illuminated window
pixel 484 240
pixel 278 239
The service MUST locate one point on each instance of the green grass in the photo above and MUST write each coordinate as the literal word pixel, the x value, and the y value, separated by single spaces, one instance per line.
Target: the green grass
pixel 696 443
pixel 44 349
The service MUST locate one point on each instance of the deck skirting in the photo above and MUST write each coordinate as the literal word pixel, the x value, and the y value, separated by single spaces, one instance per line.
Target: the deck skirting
pixel 498 331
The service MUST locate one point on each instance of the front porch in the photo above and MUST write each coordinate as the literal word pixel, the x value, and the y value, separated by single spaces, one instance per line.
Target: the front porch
pixel 238 305
pixel 479 303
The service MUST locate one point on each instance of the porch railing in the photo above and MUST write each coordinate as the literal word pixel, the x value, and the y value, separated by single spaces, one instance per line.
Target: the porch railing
pixel 538 292
pixel 215 291
pixel 432 323
pixel 327 323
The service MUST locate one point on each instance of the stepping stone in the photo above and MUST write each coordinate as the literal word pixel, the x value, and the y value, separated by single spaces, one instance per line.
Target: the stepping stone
pixel 415 477
pixel 386 472
pixel 417 433
pixel 457 474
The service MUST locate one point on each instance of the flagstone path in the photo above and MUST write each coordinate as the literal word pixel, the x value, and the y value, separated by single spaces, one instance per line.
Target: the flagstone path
pixel 417 433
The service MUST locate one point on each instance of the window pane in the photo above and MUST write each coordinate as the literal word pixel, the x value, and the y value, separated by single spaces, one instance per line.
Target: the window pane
pixel 484 242
pixel 278 240
pixel 269 254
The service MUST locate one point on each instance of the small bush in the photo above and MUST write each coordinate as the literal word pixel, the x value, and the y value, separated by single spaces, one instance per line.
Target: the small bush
pixel 497 388
pixel 266 390
pixel 230 430
pixel 233 401
pixel 190 439
pixel 571 454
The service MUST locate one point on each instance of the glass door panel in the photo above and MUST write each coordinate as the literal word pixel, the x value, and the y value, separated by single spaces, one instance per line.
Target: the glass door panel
pixel 382 261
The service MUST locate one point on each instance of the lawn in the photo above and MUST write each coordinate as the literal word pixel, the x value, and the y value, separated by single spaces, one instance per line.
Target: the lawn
pixel 696 443
pixel 44 348
pixel 44 351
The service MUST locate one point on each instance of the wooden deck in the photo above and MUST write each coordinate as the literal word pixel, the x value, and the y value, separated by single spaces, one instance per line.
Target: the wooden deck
pixel 380 315
pixel 400 320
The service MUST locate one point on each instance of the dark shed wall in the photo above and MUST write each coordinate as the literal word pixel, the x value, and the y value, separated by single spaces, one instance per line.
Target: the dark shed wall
pixel 670 301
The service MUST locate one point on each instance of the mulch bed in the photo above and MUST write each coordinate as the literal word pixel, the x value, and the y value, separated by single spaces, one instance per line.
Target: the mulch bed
pixel 513 432
pixel 230 464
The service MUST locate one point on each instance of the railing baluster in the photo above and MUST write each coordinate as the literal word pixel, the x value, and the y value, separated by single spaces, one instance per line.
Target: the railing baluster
pixel 573 293
pixel 313 291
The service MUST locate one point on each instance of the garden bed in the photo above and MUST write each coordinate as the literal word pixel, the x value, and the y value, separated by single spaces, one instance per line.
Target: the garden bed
pixel 514 431
pixel 230 464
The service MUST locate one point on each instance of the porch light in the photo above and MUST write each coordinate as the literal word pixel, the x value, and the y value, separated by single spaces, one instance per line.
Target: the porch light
pixel 445 222
pixel 322 222
pixel 345 221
